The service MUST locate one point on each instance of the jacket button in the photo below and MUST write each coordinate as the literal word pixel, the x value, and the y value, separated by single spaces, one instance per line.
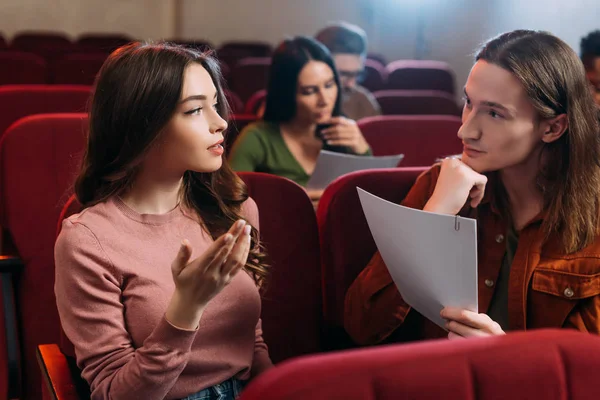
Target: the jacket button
pixel 499 238
pixel 489 283
pixel 569 292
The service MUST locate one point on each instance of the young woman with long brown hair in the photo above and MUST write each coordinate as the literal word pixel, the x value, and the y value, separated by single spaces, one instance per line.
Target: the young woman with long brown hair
pixel 157 279
pixel 530 174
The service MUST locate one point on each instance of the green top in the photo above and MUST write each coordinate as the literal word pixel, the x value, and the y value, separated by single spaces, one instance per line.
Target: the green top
pixel 261 148
pixel 498 310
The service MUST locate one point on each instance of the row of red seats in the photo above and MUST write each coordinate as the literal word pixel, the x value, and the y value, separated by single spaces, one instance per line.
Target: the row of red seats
pixel 245 76
pixel 45 43
pixel 314 260
pixel 421 138
pixel 250 75
pixel 392 102
pixel 55 45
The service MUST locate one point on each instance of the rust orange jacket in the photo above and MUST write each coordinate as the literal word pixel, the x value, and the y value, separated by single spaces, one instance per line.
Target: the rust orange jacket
pixel 547 288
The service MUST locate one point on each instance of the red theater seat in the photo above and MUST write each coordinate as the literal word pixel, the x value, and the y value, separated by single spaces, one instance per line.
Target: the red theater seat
pixel 549 365
pixel 77 68
pixel 256 102
pixel 234 51
pixel 17 67
pixel 39 157
pixel 421 138
pixel 416 102
pixel 17 101
pixel 346 241
pixel 102 42
pixel 249 76
pixel 34 40
pixel 235 103
pixel 45 44
pixel 420 75
pixel 291 306
pixel 375 75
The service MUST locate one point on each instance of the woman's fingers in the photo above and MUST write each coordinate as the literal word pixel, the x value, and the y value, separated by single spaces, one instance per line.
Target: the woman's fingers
pixel 239 254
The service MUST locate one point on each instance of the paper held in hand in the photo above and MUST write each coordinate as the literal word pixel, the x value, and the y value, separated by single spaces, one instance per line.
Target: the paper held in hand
pixel 331 165
pixel 431 257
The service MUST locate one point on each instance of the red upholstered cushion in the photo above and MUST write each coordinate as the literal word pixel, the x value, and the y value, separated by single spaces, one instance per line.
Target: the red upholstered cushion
pixel 18 67
pixel 416 102
pixel 17 101
pixel 29 40
pixel 420 75
pixel 421 138
pixel 346 242
pixel 375 75
pixel 45 44
pixel 255 102
pixel 235 103
pixel 249 76
pixel 232 52
pixel 39 158
pixel 291 313
pixel 549 365
pixel 77 68
pixel 102 41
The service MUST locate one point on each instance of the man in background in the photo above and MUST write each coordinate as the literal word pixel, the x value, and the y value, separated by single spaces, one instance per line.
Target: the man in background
pixel 590 55
pixel 348 46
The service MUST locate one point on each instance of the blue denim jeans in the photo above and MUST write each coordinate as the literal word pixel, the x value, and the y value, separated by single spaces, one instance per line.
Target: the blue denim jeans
pixel 228 390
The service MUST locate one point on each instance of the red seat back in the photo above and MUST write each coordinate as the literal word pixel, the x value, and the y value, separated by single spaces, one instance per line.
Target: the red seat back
pixel 547 364
pixel 77 68
pixel 232 52
pixel 291 313
pixel 256 102
pixel 422 139
pixel 235 103
pixel 45 44
pixel 100 42
pixel 346 241
pixel 34 40
pixel 420 75
pixel 17 101
pixel 249 76
pixel 39 158
pixel 17 67
pixel 416 102
pixel 375 75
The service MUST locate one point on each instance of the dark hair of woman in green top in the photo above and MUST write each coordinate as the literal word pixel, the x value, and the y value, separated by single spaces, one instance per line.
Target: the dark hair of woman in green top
pixel 289 59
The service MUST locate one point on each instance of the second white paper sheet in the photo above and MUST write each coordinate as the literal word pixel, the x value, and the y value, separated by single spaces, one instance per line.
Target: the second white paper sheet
pixel 331 165
pixel 432 258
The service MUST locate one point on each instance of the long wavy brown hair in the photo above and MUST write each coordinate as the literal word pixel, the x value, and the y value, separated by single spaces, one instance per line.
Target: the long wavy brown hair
pixel 554 80
pixel 135 95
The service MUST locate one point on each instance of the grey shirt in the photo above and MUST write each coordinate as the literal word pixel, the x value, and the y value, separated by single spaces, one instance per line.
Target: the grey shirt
pixel 359 103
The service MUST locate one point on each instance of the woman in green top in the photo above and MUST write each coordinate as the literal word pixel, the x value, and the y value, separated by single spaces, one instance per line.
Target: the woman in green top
pixel 302 116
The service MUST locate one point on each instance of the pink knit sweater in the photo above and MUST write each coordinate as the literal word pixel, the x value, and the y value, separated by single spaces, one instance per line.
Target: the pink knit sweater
pixel 113 285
